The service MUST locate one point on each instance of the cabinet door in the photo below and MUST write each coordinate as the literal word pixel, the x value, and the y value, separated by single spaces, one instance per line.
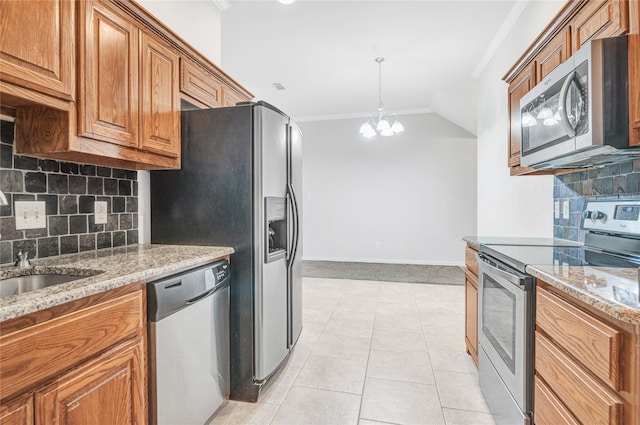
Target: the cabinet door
pixel 160 98
pixel 36 45
pixel 108 390
pixel 17 413
pixel 600 19
pixel 229 97
pixel 471 315
pixel 108 107
pixel 518 88
pixel 555 52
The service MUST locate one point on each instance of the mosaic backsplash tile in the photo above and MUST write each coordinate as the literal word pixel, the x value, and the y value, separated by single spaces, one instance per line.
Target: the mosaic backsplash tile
pixel 619 181
pixel 69 191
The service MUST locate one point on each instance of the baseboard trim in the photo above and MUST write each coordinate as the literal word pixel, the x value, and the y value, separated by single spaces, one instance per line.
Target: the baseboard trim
pixel 385 261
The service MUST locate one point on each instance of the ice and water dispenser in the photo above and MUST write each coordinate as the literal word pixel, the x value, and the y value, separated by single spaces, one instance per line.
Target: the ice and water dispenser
pixel 276 228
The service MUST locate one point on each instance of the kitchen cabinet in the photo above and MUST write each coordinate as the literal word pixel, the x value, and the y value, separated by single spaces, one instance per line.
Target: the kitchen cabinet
pixel 576 23
pixel 585 364
pixel 36 46
pixel 80 362
pixel 199 85
pixel 100 83
pixel 471 303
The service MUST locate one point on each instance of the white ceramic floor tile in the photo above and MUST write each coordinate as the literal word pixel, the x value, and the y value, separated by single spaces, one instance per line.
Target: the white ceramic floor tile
pixel 240 413
pixel 330 373
pixel 368 422
pixel 353 348
pixel 407 367
pixel 317 407
pixel 299 354
pixel 349 327
pixel 460 391
pixel 462 417
pixel 315 315
pixel 355 312
pixel 311 332
pixel 400 402
pixel 279 385
pixel 453 359
pixel 402 341
pixel 406 322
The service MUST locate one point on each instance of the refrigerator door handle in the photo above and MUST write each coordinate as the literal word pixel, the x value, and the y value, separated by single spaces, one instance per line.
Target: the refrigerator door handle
pixel 294 243
pixel 289 230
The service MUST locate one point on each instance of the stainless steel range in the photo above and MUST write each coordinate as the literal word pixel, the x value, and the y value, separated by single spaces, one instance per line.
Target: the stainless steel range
pixel 506 316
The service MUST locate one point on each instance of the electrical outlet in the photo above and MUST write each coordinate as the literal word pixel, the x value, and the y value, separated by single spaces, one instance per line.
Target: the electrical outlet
pixel 100 208
pixel 556 209
pixel 565 210
pixel 30 215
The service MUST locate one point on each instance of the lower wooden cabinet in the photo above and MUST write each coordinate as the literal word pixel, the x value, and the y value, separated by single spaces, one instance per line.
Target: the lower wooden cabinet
pixel 471 303
pixel 586 364
pixel 79 363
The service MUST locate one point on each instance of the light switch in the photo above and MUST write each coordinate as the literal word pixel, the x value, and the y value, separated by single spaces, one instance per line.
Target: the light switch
pixel 565 210
pixel 100 208
pixel 556 209
pixel 30 215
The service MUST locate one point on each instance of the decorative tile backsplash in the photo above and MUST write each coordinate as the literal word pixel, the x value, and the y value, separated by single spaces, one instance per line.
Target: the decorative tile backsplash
pixel 620 181
pixel 69 191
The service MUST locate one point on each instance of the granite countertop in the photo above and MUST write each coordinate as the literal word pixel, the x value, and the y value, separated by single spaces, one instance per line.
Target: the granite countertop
pixel 614 291
pixel 476 241
pixel 104 269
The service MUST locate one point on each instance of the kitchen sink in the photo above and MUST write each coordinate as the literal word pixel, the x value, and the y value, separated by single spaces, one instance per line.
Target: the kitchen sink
pixel 20 284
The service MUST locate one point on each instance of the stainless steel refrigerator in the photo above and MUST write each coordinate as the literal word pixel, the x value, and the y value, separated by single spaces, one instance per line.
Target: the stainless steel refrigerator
pixel 240 185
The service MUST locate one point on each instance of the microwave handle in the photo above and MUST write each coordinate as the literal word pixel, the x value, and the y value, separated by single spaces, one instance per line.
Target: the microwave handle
pixel 564 119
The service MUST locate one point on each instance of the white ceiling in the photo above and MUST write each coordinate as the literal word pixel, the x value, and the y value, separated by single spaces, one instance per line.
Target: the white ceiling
pixel 323 53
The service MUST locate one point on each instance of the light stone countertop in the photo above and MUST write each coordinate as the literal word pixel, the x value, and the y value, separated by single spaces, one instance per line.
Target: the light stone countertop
pixel 476 241
pixel 614 291
pixel 105 269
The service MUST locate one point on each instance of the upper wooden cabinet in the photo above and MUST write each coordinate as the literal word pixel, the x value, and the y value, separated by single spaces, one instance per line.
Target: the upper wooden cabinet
pixel 108 108
pixel 577 22
pixel 160 98
pixel 36 45
pixel 100 82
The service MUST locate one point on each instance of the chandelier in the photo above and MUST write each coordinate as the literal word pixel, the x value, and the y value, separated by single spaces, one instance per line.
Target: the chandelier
pixel 381 123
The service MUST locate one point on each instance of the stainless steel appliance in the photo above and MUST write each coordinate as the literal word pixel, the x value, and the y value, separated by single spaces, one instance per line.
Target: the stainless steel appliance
pixel 578 116
pixel 240 185
pixel 506 315
pixel 188 331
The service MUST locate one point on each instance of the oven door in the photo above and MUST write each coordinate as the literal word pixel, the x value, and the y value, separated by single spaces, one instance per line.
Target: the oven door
pixel 505 326
pixel 554 114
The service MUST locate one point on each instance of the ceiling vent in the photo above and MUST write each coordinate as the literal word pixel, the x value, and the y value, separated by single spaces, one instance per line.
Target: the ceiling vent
pixel 279 86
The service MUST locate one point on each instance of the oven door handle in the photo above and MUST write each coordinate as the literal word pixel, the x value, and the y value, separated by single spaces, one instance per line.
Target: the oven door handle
pixel 525 282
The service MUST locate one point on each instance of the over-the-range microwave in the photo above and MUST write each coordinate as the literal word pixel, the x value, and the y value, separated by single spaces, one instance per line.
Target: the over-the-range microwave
pixel 578 116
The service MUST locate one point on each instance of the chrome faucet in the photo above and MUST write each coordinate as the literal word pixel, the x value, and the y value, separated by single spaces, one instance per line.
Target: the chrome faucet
pixel 23 260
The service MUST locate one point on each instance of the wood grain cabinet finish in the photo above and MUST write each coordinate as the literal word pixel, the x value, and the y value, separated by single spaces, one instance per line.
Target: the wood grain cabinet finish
pixel 230 98
pixel 37 45
pixel 160 98
pixel 200 85
pixel 590 401
pixel 517 89
pixel 593 343
pixel 18 413
pixel 556 52
pixel 108 104
pixel 471 302
pixel 600 19
pixel 549 409
pixel 78 364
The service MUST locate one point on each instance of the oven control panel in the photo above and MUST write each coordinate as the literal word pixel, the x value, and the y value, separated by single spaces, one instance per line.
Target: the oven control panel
pixel 612 217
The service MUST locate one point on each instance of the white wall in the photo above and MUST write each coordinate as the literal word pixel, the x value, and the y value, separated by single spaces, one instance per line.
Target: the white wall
pixel 510 206
pixel 415 193
pixel 196 21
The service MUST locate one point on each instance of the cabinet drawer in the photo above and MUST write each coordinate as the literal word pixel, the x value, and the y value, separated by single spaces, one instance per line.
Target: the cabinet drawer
pixel 592 342
pixel 590 402
pixel 470 260
pixel 34 354
pixel 548 409
pixel 199 84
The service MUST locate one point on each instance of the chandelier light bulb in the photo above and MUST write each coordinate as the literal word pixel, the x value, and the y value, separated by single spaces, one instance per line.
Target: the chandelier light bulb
pixel 528 120
pixel 397 127
pixel 545 113
pixel 286 1
pixel 383 125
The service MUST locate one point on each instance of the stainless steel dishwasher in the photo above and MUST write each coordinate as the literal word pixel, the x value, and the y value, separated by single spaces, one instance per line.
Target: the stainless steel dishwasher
pixel 188 330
